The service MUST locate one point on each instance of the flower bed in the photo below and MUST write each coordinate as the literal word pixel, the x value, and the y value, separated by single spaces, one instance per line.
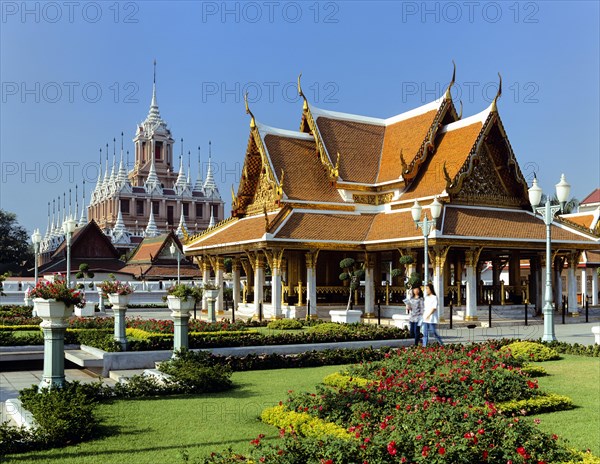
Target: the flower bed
pixel 437 404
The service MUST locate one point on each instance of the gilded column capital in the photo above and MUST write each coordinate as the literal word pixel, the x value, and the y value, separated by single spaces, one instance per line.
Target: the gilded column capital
pixel 311 259
pixel 369 260
pixel 219 263
pixel 235 264
pixel 259 261
pixel 472 256
pixel 440 255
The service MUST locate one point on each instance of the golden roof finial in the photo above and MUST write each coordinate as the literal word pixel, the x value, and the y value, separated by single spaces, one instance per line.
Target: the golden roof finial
pixel 233 198
pixel 403 162
pixel 447 177
pixel 252 120
pixel 448 95
pixel 266 218
pixel 279 189
pixel 301 93
pixel 461 110
pixel 494 107
pixel 336 169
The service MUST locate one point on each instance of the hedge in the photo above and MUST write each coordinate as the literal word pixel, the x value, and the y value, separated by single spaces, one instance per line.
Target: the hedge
pixel 303 424
pixel 344 381
pixel 537 405
pixel 531 351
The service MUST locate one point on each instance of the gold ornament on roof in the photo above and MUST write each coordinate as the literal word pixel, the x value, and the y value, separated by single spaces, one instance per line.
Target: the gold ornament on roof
pixel 494 108
pixel 448 95
pixel 252 120
pixel 461 110
pixel 301 93
pixel 403 162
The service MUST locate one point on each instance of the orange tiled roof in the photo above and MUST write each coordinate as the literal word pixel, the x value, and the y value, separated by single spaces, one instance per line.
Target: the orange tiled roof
pixel 453 148
pixel 489 223
pixel 305 177
pixel 240 230
pixel 392 226
pixel 359 145
pixel 584 220
pixel 593 197
pixel 148 249
pixel 407 135
pixel 326 227
pixel 593 257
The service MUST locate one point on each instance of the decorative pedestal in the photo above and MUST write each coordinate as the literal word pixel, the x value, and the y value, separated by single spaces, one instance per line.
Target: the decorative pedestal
pixel 347 317
pixel 211 297
pixel 86 311
pixel 55 317
pixel 596 332
pixel 401 321
pixel 180 312
pixel 100 302
pixel 119 304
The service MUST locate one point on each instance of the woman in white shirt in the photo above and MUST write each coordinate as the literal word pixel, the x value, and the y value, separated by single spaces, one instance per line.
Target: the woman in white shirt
pixel 430 316
pixel 414 307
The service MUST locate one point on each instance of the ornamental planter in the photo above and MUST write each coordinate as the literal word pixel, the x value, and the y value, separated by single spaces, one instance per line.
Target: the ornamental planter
pixel 55 315
pixel 118 300
pixel 51 309
pixel 180 312
pixel 87 311
pixel 119 303
pixel 211 297
pixel 177 304
pixel 350 316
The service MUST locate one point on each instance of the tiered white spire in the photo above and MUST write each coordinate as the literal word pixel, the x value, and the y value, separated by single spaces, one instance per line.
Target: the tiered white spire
pixel 181 228
pixel 97 192
pixel 182 185
pixel 151 229
pixel 120 234
pixel 106 181
pixel 210 186
pixel 122 181
pixel 83 218
pixel 152 183
pixel 113 173
pixel 211 222
pixel 199 186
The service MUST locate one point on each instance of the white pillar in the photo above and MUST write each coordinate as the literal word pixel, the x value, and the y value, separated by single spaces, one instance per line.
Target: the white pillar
pixel 471 287
pixel 235 274
pixel 311 281
pixel 276 291
pixel 438 284
pixel 583 287
pixel 220 265
pixel 259 281
pixel 572 285
pixel 369 291
pixel 594 286
pixel 205 279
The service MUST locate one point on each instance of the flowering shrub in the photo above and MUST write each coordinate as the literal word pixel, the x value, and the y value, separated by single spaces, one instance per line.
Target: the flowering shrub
pixel 59 291
pixel 185 291
pixel 434 405
pixel 303 424
pixel 531 351
pixel 285 324
pixel 109 287
pixel 537 405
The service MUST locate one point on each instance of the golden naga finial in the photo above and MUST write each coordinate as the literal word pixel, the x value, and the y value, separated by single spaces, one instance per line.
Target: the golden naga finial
pixel 252 120
pixel 448 95
pixel 494 107
pixel 403 162
pixel 335 172
pixel 301 93
pixel 233 198
pixel 446 175
pixel 279 188
pixel 461 110
pixel 266 218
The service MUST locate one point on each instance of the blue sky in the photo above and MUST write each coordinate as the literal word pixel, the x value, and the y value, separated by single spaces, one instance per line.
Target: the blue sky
pixel 74 77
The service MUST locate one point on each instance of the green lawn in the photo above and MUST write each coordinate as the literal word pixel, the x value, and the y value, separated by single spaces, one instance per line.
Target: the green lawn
pixel 579 378
pixel 155 431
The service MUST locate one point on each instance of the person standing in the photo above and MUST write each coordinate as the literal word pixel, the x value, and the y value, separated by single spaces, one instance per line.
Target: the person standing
pixel 430 316
pixel 415 307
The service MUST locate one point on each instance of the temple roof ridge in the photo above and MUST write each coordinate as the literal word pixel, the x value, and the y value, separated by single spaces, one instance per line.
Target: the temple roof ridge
pixel 265 130
pixel 480 117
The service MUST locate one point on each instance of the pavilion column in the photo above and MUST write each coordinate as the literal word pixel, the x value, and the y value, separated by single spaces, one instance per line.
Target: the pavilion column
pixel 558 268
pixel 369 284
pixel 205 279
pixel 438 277
pixel 514 274
pixel 594 286
pixel 219 268
pixel 259 280
pixel 235 274
pixel 276 283
pixel 533 282
pixel 572 284
pixel 583 287
pixel 311 281
pixel 458 272
pixel 541 279
pixel 247 265
pixel 471 258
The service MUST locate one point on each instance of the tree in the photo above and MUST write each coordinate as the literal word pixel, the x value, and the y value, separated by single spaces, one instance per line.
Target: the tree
pixel 85 273
pixel 352 272
pixel 16 253
pixel 570 206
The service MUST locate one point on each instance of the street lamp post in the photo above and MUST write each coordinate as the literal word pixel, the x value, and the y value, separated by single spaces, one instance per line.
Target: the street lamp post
pixel 36 239
pixel 68 229
pixel 548 211
pixel 426 226
pixel 173 249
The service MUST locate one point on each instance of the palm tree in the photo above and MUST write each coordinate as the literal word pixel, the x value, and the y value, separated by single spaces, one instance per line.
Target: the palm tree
pixel 571 206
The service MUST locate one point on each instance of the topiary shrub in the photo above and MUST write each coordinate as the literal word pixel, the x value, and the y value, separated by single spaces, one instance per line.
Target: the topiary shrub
pixel 531 351
pixel 536 405
pixel 330 328
pixel 284 324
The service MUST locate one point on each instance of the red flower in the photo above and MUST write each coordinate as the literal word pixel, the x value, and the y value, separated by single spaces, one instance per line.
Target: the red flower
pixel 391 447
pixel 485 455
pixel 425 451
pixel 442 450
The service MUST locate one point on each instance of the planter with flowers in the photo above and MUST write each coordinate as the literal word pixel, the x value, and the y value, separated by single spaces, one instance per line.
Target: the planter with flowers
pixel 118 294
pixel 182 298
pixel 54 302
pixel 211 293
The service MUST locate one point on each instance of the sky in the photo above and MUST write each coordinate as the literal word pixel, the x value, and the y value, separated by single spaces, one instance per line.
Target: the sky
pixel 74 75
